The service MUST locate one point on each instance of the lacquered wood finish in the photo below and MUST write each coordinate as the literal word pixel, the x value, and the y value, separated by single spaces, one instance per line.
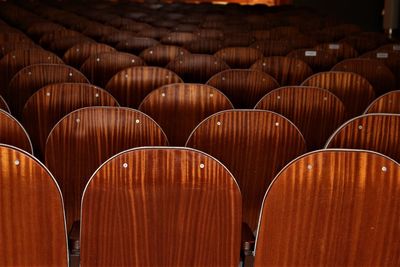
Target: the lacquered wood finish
pixel 332 208
pixel 339 50
pixel 376 132
pixel 390 58
pixel 161 55
pixel 32 223
pixel 239 57
pixel 243 87
pixel 84 139
pixel 38 29
pixel 254 145
pixel 365 41
pixel 204 46
pixel 179 108
pixel 387 103
pixel 352 89
pixel 286 70
pixel 99 69
pixel 51 103
pixel 77 54
pixel 394 47
pixel 178 38
pixel 6 48
pixel 3 105
pixel 181 202
pixel 13 133
pixel 376 72
pixel 136 45
pixel 130 86
pixel 196 68
pixel 318 60
pixel 30 79
pixel 62 45
pixel 273 47
pixel 315 111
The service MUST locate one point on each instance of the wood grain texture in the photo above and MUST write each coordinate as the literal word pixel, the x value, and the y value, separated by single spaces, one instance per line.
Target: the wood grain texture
pixel 47 39
pixel 32 222
pixel 239 57
pixel 393 47
pixel 332 208
pixel 161 55
pixel 318 60
pixel 209 34
pixel 3 105
pixel 30 79
pixel 273 47
pixel 243 87
pixel 179 108
pixel 365 41
pixel 117 37
pixel 9 47
pixel 387 103
pixel 376 132
pixel 130 86
pixel 204 46
pixel 77 54
pixel 13 133
pixel 352 89
pixel 315 111
pixel 85 138
pixel 376 72
pixel 178 38
pixel 62 45
pixel 180 202
pixel 254 145
pixel 339 50
pixel 155 33
pixel 40 28
pixel 390 58
pixel 51 103
pixel 286 70
pixel 136 45
pixel 196 68
pixel 99 69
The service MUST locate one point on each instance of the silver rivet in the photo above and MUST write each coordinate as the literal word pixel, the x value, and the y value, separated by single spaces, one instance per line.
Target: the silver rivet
pixel 133 61
pixel 126 76
pixel 77 50
pixel 215 62
pixel 29 73
pixel 98 59
pixel 97 95
pixel 360 127
pixel 48 94
pixel 223 78
pixel 13 56
pixel 16 162
pixel 325 98
pixel 169 38
pixel 162 94
pixel 48 58
pixel 263 79
pixel 309 166
pixel 181 52
pixel 384 169
pixel 125 165
pixel 78 120
pixel 264 64
pixel 137 120
pixel 276 124
pixel 70 74
pixel 201 165
pixel 211 95
pixel 151 52
pixel 126 43
pixel 219 123
pixel 166 76
pixel 180 61
pixel 278 97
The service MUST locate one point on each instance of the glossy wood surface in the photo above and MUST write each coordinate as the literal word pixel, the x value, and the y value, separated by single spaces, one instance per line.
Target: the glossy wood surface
pixel 204 46
pixel 364 41
pixel 178 38
pixel 13 133
pixel 315 111
pixel 254 145
pixel 376 132
pixel 62 45
pixel 136 45
pixel 243 87
pixel 332 208
pixel 239 57
pixel 6 48
pixel 3 105
pixel 273 47
pixel 130 86
pixel 286 70
pixel 390 58
pixel 161 55
pixel 32 223
pixel 339 50
pixel 387 103
pixel 318 60
pixel 179 108
pixel 352 89
pixel 77 54
pixel 85 138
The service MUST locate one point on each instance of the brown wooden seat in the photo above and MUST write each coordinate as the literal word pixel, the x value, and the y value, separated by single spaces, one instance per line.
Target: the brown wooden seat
pixel 318 60
pixel 30 79
pixel 239 57
pixel 62 45
pixel 254 145
pixel 99 69
pixel 238 39
pixel 85 138
pixel 10 47
pixel 155 33
pixel 51 103
pixel 352 89
pixel 136 45
pixel 3 105
pixel 161 55
pixel 179 108
pixel 315 111
pixel 97 30
pixel 47 39
pixel 273 47
pixel 387 103
pixel 196 68
pixel 286 70
pixel 32 222
pixel 77 54
pixel 243 87
pixel 136 26
pixel 339 50
pixel 393 47
pixel 130 86
pixel 375 71
pixel 364 42
pixel 302 41
pixel 204 46
pixel 117 37
pixel 13 133
pixel 332 208
pixel 390 58
pixel 190 210
pixel 209 34
pixel 376 132
pixel 38 29
pixel 178 38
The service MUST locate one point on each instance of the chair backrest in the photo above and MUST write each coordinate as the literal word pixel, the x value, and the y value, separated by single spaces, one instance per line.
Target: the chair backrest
pixel 62 45
pixel 179 108
pixel 77 54
pixel 254 145
pixel 155 33
pixel 3 105
pixel 273 47
pixel 32 221
pixel 376 132
pixel 99 69
pixel 242 86
pixel 13 133
pixel 394 47
pixel 6 48
pixel 315 111
pixel 204 46
pixel 85 138
pixel 161 55
pixel 339 50
pixel 136 45
pixel 286 70
pixel 332 208
pixel 318 60
pixel 239 57
pixel 387 103
pixel 196 68
pixel 352 89
pixel 365 41
pixel 189 209
pixel 130 86
pixel 390 58
pixel 178 38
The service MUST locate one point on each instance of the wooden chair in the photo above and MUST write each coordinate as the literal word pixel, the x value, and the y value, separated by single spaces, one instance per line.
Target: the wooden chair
pixel 47 39
pixel 209 34
pixel 204 46
pixel 239 57
pixel 179 108
pixel 136 45
pixel 117 37
pixel 178 38
pixel 243 87
pixel 3 105
pixel 387 103
pixel 254 145
pixel 352 89
pixel 61 45
pixel 318 60
pixel 13 133
pixel 393 47
pixel 85 138
pixel 376 132
pixel 155 33
pixel 271 48
pixel 77 54
pixel 6 48
pixel 376 72
pixel 99 69
pixel 190 210
pixel 40 28
pixel 32 222
pixel 340 50
pixel 30 79
pixel 130 86
pixel 332 208
pixel 364 42
pixel 286 70
pixel 161 55
pixel 196 68
pixel 390 58
pixel 315 111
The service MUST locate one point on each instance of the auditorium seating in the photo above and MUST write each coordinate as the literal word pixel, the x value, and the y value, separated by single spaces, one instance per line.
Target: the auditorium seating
pixel 340 50
pixel 13 133
pixel 318 60
pixel 387 103
pixel 77 54
pixel 161 55
pixel 239 57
